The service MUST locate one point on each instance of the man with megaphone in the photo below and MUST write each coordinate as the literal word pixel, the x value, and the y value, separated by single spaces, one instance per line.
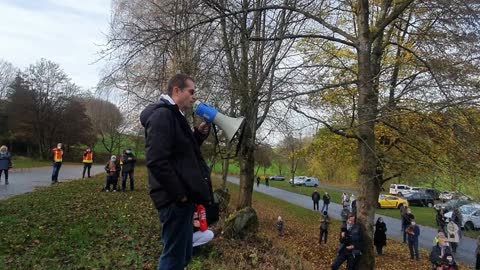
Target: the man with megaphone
pixel 179 177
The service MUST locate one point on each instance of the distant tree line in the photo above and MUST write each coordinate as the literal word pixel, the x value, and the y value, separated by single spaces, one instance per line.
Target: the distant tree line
pixel 41 106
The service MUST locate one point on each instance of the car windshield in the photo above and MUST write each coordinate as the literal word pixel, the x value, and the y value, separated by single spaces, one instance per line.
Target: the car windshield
pixel 467 209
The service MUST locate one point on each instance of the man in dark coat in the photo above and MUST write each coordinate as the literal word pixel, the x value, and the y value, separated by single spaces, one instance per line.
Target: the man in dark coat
pixel 178 175
pixel 326 201
pixel 128 160
pixel 351 245
pixel 315 199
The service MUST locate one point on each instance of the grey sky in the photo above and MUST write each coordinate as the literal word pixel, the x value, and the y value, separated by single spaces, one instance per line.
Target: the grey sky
pixel 67 32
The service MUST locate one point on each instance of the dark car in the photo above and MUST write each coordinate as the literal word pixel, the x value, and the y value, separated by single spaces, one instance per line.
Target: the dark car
pixel 430 191
pixel 452 204
pixel 419 199
pixel 277 178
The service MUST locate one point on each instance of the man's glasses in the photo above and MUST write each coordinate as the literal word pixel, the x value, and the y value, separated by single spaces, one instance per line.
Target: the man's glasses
pixel 191 91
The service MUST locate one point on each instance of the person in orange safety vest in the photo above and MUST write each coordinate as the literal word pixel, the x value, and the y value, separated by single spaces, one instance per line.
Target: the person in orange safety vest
pixel 87 162
pixel 57 158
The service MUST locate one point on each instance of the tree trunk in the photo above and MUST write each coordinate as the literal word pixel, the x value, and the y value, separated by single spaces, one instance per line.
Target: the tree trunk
pixel 367 112
pixel 225 165
pixel 247 163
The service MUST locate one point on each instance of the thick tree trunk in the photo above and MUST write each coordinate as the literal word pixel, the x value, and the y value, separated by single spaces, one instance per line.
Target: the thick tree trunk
pixel 367 112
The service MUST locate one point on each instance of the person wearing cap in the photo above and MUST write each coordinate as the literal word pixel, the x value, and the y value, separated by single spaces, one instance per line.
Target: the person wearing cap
pixel 413 232
pixel 441 255
pixel 129 160
pixel 113 171
pixel 351 245
pixel 87 161
pixel 324 224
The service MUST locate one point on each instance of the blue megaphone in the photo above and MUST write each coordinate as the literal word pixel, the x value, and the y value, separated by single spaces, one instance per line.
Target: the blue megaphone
pixel 229 125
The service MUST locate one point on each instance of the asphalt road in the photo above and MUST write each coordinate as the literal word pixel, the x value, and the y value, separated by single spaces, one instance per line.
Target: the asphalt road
pixel 26 180
pixel 465 250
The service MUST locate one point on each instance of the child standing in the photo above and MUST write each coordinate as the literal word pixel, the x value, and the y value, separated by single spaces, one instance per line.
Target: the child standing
pixel 280 226
pixel 113 171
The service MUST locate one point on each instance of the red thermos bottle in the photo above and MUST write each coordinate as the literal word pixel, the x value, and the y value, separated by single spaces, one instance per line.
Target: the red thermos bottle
pixel 202 217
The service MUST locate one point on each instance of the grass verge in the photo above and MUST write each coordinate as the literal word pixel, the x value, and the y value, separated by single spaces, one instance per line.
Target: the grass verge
pixel 75 226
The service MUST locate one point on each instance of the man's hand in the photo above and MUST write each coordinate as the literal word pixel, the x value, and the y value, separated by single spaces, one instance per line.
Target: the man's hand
pixel 204 128
pixel 183 199
pixel 350 247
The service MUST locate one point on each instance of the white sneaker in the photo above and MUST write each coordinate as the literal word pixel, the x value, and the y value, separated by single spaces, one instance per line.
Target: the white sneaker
pixel 114 190
pixel 107 190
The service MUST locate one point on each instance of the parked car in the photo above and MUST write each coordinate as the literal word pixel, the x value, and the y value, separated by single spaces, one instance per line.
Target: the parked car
pixel 311 182
pixel 389 201
pixel 453 195
pixel 470 216
pixel 399 189
pixel 419 199
pixel 450 205
pixel 277 178
pixel 298 180
pixel 430 191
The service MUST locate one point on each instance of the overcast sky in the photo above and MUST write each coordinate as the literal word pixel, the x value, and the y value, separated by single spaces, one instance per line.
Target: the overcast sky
pixel 67 32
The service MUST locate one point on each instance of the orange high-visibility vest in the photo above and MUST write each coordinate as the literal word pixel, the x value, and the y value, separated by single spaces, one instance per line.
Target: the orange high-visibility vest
pixel 57 155
pixel 88 158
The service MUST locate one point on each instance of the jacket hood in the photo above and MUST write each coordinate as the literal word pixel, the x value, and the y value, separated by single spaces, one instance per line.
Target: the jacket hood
pixel 151 108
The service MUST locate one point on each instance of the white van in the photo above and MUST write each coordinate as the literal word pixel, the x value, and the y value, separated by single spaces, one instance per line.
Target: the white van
pixel 399 189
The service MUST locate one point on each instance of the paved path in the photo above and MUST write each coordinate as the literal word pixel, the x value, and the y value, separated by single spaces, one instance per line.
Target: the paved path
pixel 465 250
pixel 26 180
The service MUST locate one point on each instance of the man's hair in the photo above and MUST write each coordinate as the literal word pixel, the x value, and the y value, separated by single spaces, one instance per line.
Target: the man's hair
pixel 178 80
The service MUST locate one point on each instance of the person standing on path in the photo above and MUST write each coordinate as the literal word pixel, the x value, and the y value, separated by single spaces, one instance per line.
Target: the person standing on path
pixel 5 162
pixel 87 161
pixel 258 181
pixel 413 232
pixel 453 236
pixel 380 236
pixel 324 224
pixel 179 177
pixel 266 182
pixel 57 158
pixel 128 169
pixel 345 199
pixel 315 199
pixel 406 221
pixel 326 201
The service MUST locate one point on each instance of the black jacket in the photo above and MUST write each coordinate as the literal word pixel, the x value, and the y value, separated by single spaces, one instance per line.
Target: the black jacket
pixel 315 196
pixel 128 160
pixel 380 236
pixel 175 165
pixel 441 261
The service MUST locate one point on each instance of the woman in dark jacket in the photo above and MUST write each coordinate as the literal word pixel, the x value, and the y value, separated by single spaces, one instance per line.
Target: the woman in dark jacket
pixel 380 237
pixel 5 162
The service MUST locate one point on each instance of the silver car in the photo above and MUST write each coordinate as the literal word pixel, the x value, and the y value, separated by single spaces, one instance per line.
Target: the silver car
pixel 470 216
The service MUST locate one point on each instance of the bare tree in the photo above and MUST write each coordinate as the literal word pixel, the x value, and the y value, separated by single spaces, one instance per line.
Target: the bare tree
pixel 7 76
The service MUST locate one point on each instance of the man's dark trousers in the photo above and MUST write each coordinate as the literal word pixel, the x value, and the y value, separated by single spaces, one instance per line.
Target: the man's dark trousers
pixel 56 170
pixel 124 180
pixel 315 205
pixel 352 261
pixel 177 234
